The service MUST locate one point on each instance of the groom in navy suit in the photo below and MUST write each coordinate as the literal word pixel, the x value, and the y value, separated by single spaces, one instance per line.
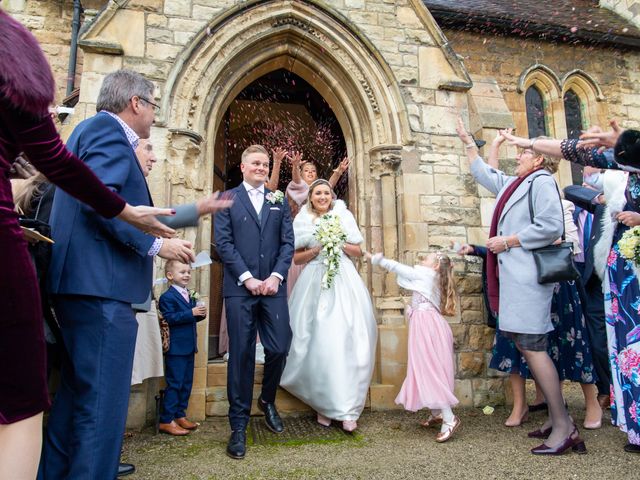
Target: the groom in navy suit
pixel 255 242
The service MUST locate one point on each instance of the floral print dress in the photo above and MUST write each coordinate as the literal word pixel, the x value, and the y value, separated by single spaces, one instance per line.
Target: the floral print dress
pixel 569 346
pixel 622 305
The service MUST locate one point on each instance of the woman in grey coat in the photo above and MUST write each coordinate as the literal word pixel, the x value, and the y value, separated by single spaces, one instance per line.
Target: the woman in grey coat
pixel 522 304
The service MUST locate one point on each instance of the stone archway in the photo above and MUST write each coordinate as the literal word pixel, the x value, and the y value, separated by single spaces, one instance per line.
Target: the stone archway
pixel 250 41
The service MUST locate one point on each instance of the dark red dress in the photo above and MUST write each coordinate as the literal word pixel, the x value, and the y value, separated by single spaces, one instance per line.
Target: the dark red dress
pixel 25 126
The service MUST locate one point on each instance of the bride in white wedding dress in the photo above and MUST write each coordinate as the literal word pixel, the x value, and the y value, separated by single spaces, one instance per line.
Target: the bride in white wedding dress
pixel 332 353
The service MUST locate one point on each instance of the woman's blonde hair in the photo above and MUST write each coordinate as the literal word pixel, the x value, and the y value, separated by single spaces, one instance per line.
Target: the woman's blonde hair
pixel 26 191
pixel 312 187
pixel 448 293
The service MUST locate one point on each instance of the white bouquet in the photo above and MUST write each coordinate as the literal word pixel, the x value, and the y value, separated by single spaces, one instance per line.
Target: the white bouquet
pixel 331 235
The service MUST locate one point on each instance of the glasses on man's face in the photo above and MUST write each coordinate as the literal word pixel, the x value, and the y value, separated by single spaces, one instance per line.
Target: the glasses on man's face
pixel 156 107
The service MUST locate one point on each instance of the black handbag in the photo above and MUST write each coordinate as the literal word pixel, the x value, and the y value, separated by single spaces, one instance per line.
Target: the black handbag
pixel 554 263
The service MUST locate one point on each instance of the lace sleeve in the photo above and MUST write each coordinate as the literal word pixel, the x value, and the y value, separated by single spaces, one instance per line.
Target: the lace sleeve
pixel 590 156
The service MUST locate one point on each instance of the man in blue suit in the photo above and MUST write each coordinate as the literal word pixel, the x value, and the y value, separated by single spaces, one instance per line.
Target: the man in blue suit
pixel 255 242
pixel 98 269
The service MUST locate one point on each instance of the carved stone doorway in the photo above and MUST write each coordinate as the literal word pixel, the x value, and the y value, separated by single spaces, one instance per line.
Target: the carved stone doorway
pixel 278 109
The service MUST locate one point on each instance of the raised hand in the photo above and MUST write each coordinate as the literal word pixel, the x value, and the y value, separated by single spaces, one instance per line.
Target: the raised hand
pixel 513 140
pixel 501 136
pixel 144 218
pixel 602 139
pixel 215 202
pixel 343 166
pixel 462 132
pixel 278 154
pixel 295 159
pixel 177 249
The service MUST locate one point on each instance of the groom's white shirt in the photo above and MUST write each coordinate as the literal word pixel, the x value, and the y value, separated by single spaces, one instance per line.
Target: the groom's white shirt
pixel 257 201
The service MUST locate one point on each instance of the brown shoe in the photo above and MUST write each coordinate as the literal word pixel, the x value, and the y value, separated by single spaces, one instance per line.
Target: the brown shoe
pixel 604 401
pixel 187 424
pixel 173 429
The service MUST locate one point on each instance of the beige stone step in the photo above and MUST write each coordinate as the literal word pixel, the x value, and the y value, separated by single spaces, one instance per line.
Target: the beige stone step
pixel 218 405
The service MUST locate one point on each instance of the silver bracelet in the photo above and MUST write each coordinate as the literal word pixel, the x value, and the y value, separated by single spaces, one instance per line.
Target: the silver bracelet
pixel 532 142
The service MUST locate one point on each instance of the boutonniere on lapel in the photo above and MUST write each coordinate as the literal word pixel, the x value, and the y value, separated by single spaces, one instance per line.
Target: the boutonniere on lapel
pixel 194 296
pixel 275 197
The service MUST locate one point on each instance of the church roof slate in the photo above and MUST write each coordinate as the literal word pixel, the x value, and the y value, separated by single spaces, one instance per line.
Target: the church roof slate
pixel 567 21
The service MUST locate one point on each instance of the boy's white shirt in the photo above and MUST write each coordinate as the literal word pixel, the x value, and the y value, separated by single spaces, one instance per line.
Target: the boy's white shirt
pixel 419 279
pixel 180 289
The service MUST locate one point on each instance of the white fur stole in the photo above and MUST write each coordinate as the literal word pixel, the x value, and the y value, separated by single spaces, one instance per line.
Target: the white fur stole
pixel 304 226
pixel 614 187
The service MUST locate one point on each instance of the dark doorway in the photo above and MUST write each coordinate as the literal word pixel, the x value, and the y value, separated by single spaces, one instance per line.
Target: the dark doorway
pixel 279 109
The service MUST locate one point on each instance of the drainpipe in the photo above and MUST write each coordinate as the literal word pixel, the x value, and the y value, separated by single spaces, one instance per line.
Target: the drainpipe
pixel 73 54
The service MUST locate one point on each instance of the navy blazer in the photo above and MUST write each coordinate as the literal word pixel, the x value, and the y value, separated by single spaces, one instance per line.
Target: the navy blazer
pixel 583 197
pixel 92 255
pixel 178 313
pixel 245 243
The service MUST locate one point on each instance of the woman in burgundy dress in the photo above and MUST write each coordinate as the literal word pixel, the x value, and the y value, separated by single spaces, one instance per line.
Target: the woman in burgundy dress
pixel 26 91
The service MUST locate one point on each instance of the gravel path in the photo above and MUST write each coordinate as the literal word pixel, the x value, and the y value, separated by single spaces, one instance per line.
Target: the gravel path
pixel 389 445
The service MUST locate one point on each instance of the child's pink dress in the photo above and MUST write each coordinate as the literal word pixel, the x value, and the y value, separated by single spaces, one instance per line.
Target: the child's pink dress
pixel 429 382
pixel 430 364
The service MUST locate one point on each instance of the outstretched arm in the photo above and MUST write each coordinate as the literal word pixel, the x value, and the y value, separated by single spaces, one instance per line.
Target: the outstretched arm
pixel 278 154
pixel 296 161
pixel 545 146
pixel 469 144
pixel 339 171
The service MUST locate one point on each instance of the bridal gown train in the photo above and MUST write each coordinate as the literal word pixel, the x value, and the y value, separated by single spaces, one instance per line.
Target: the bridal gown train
pixel 332 354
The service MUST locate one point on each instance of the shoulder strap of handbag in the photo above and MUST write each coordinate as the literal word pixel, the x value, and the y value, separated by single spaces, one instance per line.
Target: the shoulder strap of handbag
pixel 559 198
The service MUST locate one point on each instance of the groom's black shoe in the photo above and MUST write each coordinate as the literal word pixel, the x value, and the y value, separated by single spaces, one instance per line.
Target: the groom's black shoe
pixel 271 417
pixel 237 446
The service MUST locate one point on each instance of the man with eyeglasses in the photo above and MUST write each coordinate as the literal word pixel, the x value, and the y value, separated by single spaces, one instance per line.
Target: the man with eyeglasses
pixel 98 269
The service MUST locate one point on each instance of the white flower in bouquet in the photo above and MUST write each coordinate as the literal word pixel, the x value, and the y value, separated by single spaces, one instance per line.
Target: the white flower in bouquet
pixel 331 235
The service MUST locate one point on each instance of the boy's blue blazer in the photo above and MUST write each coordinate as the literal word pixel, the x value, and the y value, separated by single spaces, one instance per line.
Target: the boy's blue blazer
pixel 182 324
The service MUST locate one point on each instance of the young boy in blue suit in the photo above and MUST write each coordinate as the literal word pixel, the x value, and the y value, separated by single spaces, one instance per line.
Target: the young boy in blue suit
pixel 181 311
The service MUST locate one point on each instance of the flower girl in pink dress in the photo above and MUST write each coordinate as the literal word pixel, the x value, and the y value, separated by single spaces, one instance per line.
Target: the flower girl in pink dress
pixel 430 366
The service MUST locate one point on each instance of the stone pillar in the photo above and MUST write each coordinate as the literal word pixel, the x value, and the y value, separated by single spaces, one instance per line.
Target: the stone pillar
pixel 392 332
pixel 186 175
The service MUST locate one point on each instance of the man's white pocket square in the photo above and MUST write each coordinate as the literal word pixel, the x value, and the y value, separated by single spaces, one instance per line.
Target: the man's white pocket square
pixel 274 208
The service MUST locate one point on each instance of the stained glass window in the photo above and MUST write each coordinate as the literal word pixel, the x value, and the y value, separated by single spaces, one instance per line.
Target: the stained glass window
pixel 573 117
pixel 536 120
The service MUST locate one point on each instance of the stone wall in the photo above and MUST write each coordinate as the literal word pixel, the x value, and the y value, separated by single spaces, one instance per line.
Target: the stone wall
pixel 505 59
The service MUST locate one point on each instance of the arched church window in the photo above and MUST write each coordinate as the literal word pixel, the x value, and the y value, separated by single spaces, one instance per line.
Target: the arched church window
pixel 536 120
pixel 573 118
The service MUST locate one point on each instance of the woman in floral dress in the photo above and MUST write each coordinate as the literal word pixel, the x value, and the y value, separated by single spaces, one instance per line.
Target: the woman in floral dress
pixel 621 287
